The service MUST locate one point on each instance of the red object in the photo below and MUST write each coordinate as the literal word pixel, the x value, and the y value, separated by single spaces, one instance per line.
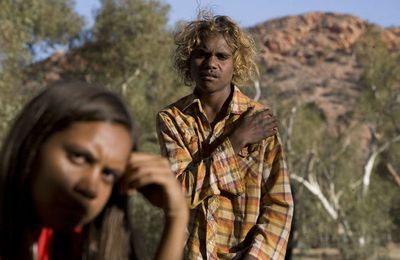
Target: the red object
pixel 45 242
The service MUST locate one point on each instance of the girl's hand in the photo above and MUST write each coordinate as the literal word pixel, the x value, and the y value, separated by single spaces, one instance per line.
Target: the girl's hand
pixel 152 176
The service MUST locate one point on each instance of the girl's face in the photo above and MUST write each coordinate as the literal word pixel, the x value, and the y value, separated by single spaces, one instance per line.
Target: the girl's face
pixel 75 173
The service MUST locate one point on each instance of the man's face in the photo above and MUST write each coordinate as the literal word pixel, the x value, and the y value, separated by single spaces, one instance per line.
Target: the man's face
pixel 76 171
pixel 211 65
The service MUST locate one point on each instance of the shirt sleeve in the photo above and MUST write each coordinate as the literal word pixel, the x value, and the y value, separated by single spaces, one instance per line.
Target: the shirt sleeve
pixel 274 223
pixel 200 177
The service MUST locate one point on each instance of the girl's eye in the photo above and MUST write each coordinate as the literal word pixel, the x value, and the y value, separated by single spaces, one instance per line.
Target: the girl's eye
pixel 110 176
pixel 77 158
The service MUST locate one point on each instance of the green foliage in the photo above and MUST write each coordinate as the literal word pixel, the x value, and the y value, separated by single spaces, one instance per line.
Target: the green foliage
pixel 147 222
pixel 8 111
pixel 370 220
pixel 379 106
pixel 380 98
pixel 335 161
pixel 127 34
pixel 25 24
pixel 129 51
pixel 310 118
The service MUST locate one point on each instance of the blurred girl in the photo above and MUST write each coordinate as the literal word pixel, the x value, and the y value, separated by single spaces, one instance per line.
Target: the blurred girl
pixel 66 168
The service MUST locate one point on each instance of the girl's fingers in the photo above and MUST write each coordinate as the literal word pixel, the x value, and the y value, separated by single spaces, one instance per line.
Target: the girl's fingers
pixel 140 177
pixel 146 178
pixel 143 160
pixel 145 169
pixel 151 175
pixel 162 190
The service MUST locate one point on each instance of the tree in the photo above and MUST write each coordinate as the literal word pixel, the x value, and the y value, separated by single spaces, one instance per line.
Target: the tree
pixel 379 108
pixel 379 105
pixel 338 202
pixel 27 26
pixel 129 50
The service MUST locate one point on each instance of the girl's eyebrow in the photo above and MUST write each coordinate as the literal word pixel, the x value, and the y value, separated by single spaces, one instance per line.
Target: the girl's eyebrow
pixel 83 151
pixel 92 158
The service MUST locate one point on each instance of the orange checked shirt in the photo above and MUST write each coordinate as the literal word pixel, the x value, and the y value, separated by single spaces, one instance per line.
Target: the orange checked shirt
pixel 240 203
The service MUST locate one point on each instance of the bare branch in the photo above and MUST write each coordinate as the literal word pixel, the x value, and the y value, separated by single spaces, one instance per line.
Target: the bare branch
pixel 394 174
pixel 124 85
pixel 313 186
pixel 368 171
pixel 289 127
pixel 374 152
pixel 258 90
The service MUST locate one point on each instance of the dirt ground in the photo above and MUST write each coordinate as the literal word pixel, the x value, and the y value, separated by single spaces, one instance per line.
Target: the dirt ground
pixel 391 252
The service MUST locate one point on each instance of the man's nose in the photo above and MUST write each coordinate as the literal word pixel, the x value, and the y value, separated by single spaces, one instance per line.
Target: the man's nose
pixel 88 184
pixel 211 62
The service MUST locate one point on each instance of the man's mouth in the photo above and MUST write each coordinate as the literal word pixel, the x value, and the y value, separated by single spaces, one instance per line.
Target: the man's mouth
pixel 208 75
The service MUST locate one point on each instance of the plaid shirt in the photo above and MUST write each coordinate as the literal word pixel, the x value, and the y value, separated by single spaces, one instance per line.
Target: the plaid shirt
pixel 240 204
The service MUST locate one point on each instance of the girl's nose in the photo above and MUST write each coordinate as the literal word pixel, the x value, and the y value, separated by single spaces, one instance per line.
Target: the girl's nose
pixel 88 185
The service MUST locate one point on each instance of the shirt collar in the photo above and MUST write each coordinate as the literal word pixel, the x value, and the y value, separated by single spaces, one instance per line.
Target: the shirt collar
pixel 190 101
pixel 239 103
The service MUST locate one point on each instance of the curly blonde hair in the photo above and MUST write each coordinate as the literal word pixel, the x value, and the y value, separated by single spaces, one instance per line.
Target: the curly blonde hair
pixel 191 35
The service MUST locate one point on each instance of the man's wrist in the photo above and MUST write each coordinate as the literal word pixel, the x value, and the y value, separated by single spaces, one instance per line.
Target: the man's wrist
pixel 236 144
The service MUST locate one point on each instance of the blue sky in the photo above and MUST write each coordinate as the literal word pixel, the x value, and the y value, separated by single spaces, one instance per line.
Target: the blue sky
pixel 250 12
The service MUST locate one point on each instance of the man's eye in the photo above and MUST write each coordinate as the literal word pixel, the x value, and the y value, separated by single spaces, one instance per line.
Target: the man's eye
pixel 222 56
pixel 199 54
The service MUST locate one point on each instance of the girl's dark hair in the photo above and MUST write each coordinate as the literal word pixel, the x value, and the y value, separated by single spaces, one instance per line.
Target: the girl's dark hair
pixel 54 109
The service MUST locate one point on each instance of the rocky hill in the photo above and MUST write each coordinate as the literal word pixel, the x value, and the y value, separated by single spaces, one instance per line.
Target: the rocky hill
pixel 311 57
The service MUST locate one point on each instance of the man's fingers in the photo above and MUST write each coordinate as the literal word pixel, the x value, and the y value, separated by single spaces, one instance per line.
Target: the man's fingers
pixel 270 132
pixel 271 120
pixel 267 113
pixel 249 112
pixel 269 124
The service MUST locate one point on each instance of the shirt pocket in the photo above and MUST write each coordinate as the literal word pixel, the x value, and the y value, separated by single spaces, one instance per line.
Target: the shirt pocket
pixel 191 140
pixel 249 160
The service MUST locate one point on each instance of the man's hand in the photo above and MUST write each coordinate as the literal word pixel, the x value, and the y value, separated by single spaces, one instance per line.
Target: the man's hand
pixel 252 127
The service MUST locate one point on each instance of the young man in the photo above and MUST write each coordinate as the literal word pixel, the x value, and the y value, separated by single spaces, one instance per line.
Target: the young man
pixel 224 149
